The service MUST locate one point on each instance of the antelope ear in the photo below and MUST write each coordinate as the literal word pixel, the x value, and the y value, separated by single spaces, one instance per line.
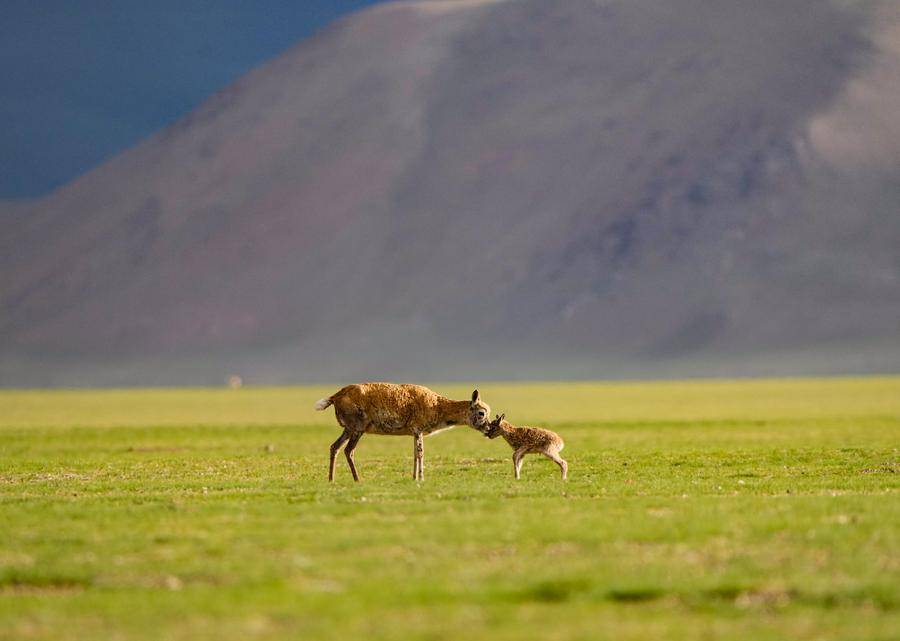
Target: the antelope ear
pixel 475 396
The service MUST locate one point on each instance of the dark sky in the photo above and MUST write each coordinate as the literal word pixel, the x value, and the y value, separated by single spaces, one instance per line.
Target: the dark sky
pixel 80 80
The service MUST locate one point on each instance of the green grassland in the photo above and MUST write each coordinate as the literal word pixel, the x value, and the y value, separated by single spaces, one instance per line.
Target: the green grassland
pixel 694 510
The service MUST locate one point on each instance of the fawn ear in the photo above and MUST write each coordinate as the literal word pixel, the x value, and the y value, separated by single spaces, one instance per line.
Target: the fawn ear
pixel 475 396
pixel 500 418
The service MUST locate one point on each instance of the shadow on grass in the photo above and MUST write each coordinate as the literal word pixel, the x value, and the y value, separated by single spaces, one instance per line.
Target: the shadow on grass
pixel 557 591
pixel 635 595
pixel 740 597
pixel 18 582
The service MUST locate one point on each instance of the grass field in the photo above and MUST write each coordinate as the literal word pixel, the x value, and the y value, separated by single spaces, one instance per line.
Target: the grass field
pixel 696 510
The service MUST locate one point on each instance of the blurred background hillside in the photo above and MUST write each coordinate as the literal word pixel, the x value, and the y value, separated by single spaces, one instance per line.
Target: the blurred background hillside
pixel 450 189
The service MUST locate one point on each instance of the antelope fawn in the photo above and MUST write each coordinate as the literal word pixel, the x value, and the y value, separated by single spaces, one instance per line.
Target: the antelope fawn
pixel 525 440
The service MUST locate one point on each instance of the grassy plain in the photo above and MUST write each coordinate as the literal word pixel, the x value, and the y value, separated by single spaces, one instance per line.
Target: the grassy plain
pixel 694 510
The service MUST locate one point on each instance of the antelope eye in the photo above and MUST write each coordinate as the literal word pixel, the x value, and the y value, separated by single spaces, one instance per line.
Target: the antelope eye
pixel 480 414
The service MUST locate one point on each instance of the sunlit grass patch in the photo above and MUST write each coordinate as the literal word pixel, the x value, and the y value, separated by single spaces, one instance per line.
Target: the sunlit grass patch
pixel 757 510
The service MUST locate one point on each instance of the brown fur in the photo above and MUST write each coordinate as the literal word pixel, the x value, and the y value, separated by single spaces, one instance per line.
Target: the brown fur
pixel 397 410
pixel 526 440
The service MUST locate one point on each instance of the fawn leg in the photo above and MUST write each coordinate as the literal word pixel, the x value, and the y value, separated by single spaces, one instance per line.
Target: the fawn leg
pixel 556 458
pixel 334 450
pixel 348 452
pixel 518 455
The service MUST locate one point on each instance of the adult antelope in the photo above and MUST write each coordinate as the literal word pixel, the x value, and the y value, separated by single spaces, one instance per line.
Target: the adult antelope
pixel 397 410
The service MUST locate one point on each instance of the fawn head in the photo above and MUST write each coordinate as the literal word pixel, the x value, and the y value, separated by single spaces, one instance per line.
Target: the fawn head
pixel 492 429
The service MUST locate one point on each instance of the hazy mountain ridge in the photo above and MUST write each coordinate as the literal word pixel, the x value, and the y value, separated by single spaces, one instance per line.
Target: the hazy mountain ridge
pixel 496 188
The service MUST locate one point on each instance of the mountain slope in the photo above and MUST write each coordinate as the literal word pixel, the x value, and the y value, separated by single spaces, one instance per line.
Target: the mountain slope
pixel 491 188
